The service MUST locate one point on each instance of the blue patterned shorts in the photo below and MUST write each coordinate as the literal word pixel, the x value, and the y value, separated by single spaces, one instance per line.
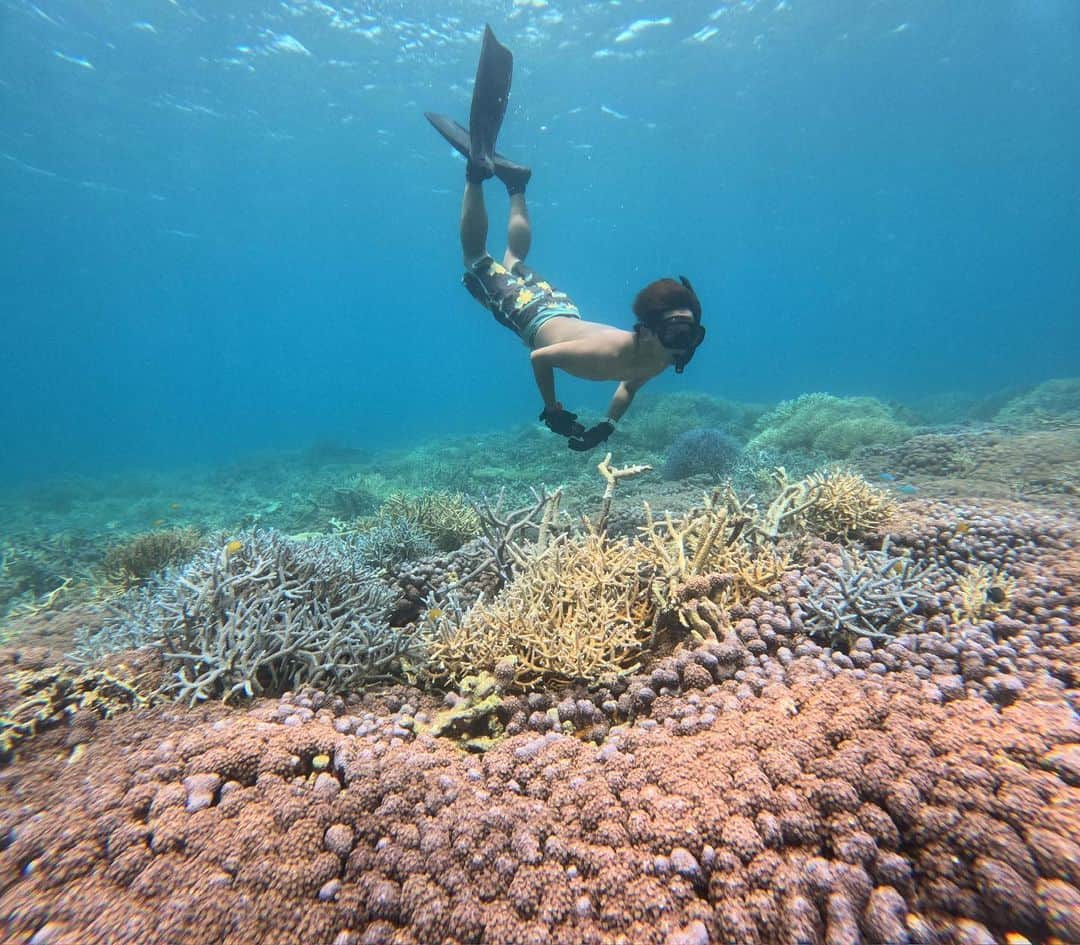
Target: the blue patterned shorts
pixel 518 298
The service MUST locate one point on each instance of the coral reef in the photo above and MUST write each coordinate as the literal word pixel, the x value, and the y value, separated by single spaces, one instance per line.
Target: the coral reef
pixel 984 592
pixel 934 454
pixel 459 578
pixel 466 573
pixel 701 453
pixel 836 504
pixel 1052 403
pixel 514 461
pixel 717 539
pixel 655 422
pixel 1033 464
pixel 832 425
pixel 42 572
pixel 822 716
pixel 753 470
pixel 264 614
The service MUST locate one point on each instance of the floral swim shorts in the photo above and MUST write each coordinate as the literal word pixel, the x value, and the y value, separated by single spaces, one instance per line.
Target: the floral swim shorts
pixel 518 298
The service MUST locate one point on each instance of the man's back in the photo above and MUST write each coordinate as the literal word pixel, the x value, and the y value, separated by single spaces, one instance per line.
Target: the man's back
pixel 594 351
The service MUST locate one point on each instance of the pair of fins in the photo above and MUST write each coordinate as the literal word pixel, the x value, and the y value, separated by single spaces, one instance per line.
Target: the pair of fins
pixel 491 93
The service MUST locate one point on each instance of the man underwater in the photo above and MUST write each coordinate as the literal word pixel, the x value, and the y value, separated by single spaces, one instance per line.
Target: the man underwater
pixel 668 328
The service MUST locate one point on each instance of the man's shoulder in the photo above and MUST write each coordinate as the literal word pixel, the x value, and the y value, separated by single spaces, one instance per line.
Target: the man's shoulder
pixel 609 332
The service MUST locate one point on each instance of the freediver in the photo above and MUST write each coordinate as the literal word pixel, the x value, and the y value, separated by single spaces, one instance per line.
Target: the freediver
pixel 668 325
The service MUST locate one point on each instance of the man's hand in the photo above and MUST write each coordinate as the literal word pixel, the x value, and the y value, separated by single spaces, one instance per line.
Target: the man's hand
pixel 561 421
pixel 591 437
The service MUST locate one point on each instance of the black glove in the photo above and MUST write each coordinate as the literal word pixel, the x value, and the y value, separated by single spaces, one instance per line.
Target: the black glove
pixel 592 436
pixel 561 421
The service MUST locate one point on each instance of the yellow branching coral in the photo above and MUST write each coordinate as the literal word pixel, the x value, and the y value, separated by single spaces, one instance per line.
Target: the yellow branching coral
pixel 836 504
pixel 713 540
pixel 984 592
pixel 842 504
pixel 579 609
pixel 611 477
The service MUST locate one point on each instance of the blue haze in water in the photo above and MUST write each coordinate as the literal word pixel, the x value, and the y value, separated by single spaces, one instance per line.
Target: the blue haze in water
pixel 226 226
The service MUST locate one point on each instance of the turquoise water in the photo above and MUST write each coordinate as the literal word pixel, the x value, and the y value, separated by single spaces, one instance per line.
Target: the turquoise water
pixel 227 227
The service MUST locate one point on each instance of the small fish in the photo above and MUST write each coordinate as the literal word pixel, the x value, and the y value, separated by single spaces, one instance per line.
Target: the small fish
pixel 158 522
pixel 963 528
pixel 74 60
pixel 175 506
pixel 886 477
pixel 995 594
pixel 434 613
pixel 232 548
pixel 607 110
pixel 907 489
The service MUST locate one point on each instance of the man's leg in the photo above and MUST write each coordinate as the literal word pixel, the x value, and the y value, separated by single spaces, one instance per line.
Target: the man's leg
pixel 518 231
pixel 474 223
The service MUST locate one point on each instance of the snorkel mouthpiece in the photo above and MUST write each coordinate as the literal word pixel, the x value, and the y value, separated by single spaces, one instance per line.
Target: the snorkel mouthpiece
pixel 686 346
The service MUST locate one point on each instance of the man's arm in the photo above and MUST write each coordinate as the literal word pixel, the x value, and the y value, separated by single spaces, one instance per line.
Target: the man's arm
pixel 553 415
pixel 544 371
pixel 622 398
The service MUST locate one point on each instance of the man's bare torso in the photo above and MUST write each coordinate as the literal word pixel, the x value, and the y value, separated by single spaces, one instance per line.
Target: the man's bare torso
pixel 598 352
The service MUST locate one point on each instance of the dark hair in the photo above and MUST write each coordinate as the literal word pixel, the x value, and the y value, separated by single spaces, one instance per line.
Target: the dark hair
pixel 665 295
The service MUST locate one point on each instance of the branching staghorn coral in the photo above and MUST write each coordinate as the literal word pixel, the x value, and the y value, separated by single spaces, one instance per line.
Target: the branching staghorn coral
pixel 265 614
pixel 509 538
pixel 786 508
pixel 612 476
pixel 984 592
pixel 842 505
pixel 872 594
pixel 577 609
pixel 836 505
pixel 717 539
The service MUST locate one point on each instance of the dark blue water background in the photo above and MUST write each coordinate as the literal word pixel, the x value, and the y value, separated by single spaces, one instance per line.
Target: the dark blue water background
pixel 214 241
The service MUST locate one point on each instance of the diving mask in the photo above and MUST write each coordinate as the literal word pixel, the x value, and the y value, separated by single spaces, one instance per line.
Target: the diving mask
pixel 681 335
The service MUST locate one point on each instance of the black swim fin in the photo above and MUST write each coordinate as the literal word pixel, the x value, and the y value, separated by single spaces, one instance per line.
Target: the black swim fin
pixel 491 92
pixel 514 176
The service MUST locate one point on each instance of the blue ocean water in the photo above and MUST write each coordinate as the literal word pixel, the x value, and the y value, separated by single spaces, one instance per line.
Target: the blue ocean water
pixel 226 226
